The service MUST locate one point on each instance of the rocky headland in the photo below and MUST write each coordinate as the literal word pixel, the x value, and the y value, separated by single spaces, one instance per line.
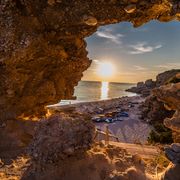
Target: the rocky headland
pixel 144 88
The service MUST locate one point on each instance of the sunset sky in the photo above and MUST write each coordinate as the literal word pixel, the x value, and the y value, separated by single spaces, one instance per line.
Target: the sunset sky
pixel 134 54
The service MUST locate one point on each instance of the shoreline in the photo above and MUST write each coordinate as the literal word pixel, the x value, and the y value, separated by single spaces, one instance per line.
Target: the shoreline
pixel 129 129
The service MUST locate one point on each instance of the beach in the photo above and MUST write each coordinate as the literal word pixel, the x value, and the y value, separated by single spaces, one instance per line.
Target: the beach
pixel 129 129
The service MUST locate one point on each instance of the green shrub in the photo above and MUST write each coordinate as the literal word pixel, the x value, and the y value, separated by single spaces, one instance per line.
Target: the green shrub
pixel 161 134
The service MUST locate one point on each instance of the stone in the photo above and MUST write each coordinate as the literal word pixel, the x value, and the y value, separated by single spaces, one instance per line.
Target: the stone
pixel 171 173
pixel 169 94
pixel 176 147
pixel 60 136
pixel 166 77
pixel 130 8
pixel 51 2
pixel 90 21
pixel 1 163
pixel 172 155
pixel 150 83
pixel 154 110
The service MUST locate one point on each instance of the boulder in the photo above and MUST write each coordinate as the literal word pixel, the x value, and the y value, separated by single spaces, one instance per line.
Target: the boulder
pixel 60 136
pixel 154 110
pixel 173 155
pixel 144 88
pixel 150 83
pixel 166 77
pixel 171 173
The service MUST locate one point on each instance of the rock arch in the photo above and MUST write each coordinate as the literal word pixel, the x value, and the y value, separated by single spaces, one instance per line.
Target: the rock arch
pixel 42 47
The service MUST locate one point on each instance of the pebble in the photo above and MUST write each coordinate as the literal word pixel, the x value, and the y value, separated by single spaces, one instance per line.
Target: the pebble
pixel 1 163
pixel 90 20
pixel 172 155
pixel 176 147
pixel 130 8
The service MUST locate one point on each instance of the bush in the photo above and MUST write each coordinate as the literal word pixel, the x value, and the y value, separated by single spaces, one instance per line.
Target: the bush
pixel 161 134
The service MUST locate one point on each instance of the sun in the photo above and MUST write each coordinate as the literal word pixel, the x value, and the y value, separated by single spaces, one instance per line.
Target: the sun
pixel 105 69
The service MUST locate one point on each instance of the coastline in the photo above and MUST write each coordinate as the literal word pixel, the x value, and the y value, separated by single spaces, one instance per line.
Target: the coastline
pixel 130 129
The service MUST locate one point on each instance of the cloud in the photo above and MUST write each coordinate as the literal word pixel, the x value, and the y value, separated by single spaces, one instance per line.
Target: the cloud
pixel 169 66
pixel 141 48
pixel 139 68
pixel 96 61
pixel 108 33
pixel 126 73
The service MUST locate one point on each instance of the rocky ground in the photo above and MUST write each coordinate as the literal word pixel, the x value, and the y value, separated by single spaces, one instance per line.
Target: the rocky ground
pixel 55 150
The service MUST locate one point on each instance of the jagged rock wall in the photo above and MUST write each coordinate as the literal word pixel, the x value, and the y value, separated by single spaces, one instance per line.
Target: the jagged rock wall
pixel 154 111
pixel 144 88
pixel 42 48
pixel 170 96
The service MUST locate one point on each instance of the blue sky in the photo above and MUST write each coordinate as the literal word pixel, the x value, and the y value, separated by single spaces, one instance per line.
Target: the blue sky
pixel 136 53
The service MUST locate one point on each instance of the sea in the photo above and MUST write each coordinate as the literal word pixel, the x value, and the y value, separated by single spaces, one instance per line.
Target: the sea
pixel 93 90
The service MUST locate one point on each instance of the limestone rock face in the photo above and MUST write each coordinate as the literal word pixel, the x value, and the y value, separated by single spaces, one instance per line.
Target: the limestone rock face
pixel 144 88
pixel 173 153
pixel 171 173
pixel 42 47
pixel 166 77
pixel 154 110
pixel 170 95
pixel 60 136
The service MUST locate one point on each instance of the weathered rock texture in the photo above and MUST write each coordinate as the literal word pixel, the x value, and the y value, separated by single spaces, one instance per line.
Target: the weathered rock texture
pixel 154 110
pixel 144 88
pixel 100 162
pixel 173 154
pixel 153 107
pixel 171 76
pixel 42 47
pixel 60 136
pixel 170 96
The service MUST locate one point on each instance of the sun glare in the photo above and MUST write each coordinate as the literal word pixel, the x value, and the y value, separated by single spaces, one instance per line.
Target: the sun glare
pixel 104 90
pixel 105 69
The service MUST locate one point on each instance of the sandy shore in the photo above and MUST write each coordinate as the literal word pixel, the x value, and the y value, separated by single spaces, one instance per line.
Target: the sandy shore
pixel 129 130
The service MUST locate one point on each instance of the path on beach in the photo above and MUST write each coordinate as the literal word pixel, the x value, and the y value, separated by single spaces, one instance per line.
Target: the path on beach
pixel 131 129
pixel 145 151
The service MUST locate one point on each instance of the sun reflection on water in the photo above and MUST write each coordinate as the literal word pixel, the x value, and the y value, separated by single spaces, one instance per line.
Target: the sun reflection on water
pixel 104 90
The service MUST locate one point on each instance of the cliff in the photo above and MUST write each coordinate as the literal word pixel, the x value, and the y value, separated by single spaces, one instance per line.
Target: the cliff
pixel 43 51
pixel 144 88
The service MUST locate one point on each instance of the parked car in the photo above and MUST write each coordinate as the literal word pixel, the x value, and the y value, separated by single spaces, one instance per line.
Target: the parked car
pixel 97 119
pixel 109 120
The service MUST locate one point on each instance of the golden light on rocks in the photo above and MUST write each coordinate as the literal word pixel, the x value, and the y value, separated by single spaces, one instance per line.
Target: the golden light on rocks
pixel 90 20
pixel 130 8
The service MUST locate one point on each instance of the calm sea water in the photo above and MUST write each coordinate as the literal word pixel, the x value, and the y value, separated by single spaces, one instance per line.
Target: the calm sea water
pixel 90 90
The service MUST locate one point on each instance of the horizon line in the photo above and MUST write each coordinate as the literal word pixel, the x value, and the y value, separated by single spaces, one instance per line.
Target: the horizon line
pixel 109 81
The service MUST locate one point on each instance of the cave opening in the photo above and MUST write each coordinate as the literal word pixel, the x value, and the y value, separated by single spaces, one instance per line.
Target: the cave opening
pixel 123 55
pixel 42 58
